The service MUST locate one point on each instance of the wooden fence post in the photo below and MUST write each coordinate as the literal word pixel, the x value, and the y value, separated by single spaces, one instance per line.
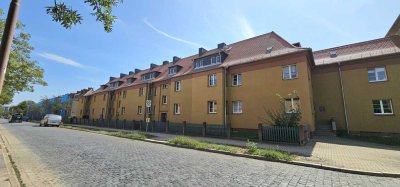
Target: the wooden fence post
pixel 184 128
pixel 167 127
pixel 301 134
pixel 204 128
pixel 260 129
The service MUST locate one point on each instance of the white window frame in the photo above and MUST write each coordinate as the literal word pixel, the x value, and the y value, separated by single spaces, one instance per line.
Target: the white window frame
pixel 164 99
pixel 289 68
pixel 292 104
pixel 141 91
pixel 375 71
pixel 237 107
pixel 381 107
pixel 218 59
pixel 177 108
pixel 238 77
pixel 122 110
pixel 212 107
pixel 178 86
pixel 164 86
pixel 212 80
pixel 172 70
pixel 140 110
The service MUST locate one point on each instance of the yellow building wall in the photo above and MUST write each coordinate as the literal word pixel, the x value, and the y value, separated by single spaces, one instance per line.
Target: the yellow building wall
pixel 202 93
pixel 259 90
pixel 131 103
pixel 359 94
pixel 98 104
pixel 157 102
pixel 184 98
pixel 328 95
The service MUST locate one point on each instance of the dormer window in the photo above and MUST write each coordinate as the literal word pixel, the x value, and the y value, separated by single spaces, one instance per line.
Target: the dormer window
pixel 148 76
pixel 114 84
pixel 207 61
pixel 172 70
pixel 130 80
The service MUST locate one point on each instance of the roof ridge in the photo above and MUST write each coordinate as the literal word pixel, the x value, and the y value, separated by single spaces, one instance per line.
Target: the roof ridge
pixel 352 44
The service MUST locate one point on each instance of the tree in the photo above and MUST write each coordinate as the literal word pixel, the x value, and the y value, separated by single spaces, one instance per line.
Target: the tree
pixel 22 72
pixel 69 17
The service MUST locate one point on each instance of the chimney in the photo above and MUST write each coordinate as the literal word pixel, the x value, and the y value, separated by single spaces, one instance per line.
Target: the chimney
pixel 137 70
pixel 112 78
pixel 122 75
pixel 165 62
pixel 131 73
pixel 297 44
pixel 153 65
pixel 202 51
pixel 175 59
pixel 221 45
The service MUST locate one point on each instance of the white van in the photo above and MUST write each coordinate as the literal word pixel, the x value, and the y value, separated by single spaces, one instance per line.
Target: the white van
pixel 51 119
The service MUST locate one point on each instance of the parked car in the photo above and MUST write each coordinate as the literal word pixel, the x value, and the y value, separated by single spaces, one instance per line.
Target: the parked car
pixel 16 118
pixel 51 120
pixel 25 118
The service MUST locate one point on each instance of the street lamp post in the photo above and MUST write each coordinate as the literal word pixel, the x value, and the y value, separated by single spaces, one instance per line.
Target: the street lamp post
pixel 6 41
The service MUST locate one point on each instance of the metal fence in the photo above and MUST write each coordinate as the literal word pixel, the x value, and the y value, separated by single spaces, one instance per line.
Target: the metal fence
pixel 280 134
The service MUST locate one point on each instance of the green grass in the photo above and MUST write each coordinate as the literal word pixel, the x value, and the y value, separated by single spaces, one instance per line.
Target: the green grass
pixel 129 135
pixel 267 153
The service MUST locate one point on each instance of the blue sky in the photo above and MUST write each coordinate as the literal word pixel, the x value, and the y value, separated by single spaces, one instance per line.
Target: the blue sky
pixel 153 31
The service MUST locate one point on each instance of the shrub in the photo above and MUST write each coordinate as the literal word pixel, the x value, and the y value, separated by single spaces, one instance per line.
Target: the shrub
pixel 251 146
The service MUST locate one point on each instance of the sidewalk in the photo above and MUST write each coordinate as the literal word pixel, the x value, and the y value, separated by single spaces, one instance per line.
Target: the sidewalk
pixel 7 175
pixel 329 151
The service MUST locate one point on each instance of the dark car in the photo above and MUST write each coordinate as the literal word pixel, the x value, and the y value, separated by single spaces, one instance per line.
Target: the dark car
pixel 25 118
pixel 16 118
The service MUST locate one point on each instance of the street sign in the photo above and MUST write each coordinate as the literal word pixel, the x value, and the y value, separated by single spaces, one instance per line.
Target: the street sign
pixel 148 103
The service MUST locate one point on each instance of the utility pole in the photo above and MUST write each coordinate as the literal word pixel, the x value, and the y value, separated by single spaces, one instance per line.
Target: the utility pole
pixel 6 41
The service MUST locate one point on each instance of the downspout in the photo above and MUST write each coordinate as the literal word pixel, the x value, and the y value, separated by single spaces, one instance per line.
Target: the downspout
pixel 224 90
pixel 344 99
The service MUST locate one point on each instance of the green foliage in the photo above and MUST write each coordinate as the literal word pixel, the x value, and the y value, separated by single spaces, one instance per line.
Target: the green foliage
pixel 22 72
pixel 68 17
pixel 273 154
pixel 55 105
pixel 282 117
pixel 192 143
pixel 251 146
pixel 129 135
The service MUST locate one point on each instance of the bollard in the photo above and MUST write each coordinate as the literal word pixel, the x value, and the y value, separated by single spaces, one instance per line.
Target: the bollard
pixel 167 127
pixel 260 132
pixel 204 128
pixel 184 128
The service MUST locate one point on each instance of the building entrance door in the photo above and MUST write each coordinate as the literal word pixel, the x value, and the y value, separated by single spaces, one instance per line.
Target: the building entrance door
pixel 163 117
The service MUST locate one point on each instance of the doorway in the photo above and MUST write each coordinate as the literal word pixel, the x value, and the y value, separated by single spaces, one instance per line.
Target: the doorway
pixel 163 117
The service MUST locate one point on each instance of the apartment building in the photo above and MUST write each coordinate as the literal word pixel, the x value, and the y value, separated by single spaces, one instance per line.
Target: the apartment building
pixel 232 86
pixel 78 103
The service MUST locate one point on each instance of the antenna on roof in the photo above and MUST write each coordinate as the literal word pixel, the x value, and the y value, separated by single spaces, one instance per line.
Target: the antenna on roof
pixel 332 54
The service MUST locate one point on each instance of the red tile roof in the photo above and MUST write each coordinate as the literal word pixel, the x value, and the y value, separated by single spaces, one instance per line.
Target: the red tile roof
pixel 372 48
pixel 245 51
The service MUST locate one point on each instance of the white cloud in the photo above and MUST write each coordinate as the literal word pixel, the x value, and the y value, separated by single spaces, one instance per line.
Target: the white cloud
pixel 61 60
pixel 170 36
pixel 245 27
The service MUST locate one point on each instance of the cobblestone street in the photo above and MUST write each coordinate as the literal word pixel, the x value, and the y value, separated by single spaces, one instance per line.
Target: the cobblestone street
pixel 62 157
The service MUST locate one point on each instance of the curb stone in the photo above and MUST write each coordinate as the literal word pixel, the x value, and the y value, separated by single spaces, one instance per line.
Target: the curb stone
pixel 299 163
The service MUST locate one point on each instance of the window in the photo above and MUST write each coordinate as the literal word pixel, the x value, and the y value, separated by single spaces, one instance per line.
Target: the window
pixel 289 72
pixel 140 91
pixel 119 104
pixel 237 80
pixel 139 110
pixel 93 111
pixel 130 80
pixel 382 107
pixel 164 86
pixel 218 59
pixel 148 76
pixel 177 86
pixel 292 105
pixel 377 74
pixel 212 80
pixel 164 99
pixel 172 70
pixel 207 61
pixel 122 110
pixel 177 109
pixel 212 107
pixel 114 84
pixel 237 107
pixel 151 91
pixel 124 94
pixel 104 97
pixel 149 110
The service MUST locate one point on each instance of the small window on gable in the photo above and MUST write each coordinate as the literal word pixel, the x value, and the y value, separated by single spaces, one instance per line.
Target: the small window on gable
pixel 173 70
pixel 289 72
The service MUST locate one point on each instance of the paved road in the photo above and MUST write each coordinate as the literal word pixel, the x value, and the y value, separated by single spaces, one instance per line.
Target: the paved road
pixel 85 159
